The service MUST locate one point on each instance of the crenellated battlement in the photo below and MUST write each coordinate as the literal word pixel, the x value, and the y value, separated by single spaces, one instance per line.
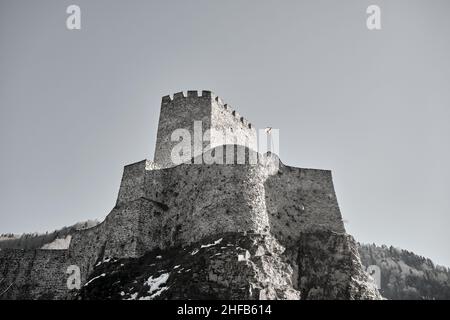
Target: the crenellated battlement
pixel 205 94
pixel 190 94
pixel 182 109
pixel 233 112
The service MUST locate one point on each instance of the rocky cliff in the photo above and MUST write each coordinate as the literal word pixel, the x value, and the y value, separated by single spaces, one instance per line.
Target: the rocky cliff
pixel 321 265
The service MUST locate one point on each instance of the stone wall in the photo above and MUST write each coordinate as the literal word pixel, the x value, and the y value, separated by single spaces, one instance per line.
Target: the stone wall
pixel 120 235
pixel 132 184
pixel 204 200
pixel 299 199
pixel 220 124
pixel 180 113
pixel 237 129
pixel 33 274
pixel 191 201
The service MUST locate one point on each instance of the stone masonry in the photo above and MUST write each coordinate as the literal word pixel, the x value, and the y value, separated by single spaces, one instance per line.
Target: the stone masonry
pixel 161 206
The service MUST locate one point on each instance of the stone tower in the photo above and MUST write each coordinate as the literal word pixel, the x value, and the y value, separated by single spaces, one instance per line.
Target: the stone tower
pixel 209 122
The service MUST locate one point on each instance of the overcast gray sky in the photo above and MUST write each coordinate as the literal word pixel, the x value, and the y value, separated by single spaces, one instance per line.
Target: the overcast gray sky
pixel 373 106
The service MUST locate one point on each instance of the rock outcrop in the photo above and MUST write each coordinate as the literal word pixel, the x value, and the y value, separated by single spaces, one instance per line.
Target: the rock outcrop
pixel 323 265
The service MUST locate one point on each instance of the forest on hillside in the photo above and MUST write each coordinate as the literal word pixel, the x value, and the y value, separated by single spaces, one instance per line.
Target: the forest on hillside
pixel 405 275
pixel 37 240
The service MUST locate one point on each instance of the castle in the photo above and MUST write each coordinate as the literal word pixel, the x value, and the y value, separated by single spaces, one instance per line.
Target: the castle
pixel 162 204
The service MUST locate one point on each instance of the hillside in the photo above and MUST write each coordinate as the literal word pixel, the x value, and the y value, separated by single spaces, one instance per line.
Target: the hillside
pixel 49 240
pixel 405 275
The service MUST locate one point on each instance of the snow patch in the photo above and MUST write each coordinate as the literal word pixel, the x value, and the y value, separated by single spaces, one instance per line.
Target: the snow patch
pixel 211 244
pixel 156 285
pixel 245 256
pixel 95 278
pixel 105 260
pixel 58 244
pixel 3 238
pixel 133 296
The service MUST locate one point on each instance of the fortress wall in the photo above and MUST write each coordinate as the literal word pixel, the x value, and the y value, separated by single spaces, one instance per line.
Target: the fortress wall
pixel 182 204
pixel 15 268
pixel 121 230
pixel 86 247
pixel 201 200
pixel 226 120
pixel 132 184
pixel 178 206
pixel 151 231
pixel 49 274
pixel 41 274
pixel 299 199
pixel 33 274
pixel 138 182
pixel 116 237
pixel 154 185
pixel 180 112
pixel 119 235
pixel 192 201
